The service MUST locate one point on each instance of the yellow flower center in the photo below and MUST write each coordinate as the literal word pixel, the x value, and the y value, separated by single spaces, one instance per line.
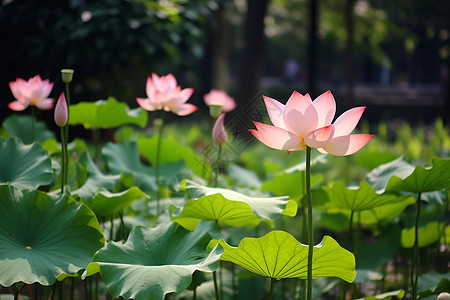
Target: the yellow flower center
pixel 28 247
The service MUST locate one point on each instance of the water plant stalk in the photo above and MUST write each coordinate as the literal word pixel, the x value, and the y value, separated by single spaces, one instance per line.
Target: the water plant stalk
pixel 64 160
pixel 33 117
pixel 216 174
pixel 216 287
pixel 310 223
pixel 158 151
pixel 272 283
pixel 415 254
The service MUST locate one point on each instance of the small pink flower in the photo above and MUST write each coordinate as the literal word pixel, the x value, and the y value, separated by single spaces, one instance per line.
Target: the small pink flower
pixel 302 122
pixel 219 135
pixel 217 97
pixel 163 93
pixel 61 113
pixel 33 92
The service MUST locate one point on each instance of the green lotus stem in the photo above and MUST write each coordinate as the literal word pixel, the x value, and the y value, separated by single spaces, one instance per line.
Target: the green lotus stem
pixel 32 123
pixel 415 264
pixel 111 229
pixel 216 288
pixel 216 174
pixel 158 150
pixel 64 160
pixel 272 283
pixel 18 289
pixel 310 223
pixel 122 226
pixel 194 294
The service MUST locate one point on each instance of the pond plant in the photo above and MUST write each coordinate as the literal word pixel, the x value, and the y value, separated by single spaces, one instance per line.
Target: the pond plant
pixel 174 216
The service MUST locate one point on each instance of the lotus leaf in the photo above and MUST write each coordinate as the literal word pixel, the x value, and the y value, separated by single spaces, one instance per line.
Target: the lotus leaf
pixel 229 207
pixel 42 238
pixel 105 114
pixel 156 261
pixel 279 255
pixel 424 180
pixel 24 166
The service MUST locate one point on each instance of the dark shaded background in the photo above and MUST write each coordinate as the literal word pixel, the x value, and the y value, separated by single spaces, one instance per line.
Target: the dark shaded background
pixel 393 56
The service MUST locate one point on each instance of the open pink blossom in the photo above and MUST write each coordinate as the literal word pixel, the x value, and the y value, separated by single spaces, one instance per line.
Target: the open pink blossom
pixel 61 113
pixel 33 92
pixel 302 122
pixel 219 135
pixel 218 97
pixel 164 94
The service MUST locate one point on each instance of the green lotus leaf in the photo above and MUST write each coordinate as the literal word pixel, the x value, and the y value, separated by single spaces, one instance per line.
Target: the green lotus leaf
pixel 24 166
pixel 156 261
pixel 427 235
pixel 172 151
pixel 106 114
pixel 359 198
pixel 105 203
pixel 423 180
pixel 229 208
pixel 42 238
pixel 290 184
pixel 95 181
pixel 387 211
pixel 124 158
pixel 20 127
pixel 379 177
pixel 279 255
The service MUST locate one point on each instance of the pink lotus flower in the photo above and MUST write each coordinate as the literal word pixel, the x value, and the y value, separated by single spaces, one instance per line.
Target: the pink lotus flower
pixel 302 122
pixel 61 113
pixel 163 93
pixel 217 97
pixel 33 92
pixel 219 135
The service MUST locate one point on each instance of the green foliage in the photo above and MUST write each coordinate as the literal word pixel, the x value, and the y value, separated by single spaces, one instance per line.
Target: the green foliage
pixel 20 127
pixel 106 114
pixel 229 207
pixel 24 166
pixel 156 261
pixel 279 255
pixel 39 236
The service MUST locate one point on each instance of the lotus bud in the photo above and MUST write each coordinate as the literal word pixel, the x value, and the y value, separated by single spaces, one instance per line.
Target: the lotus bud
pixel 219 134
pixel 61 113
pixel 215 110
pixel 67 75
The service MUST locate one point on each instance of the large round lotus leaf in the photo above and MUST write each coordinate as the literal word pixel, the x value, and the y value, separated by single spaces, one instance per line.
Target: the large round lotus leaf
pixel 229 207
pixel 422 179
pixel 20 127
pixel 279 255
pixel 379 177
pixel 42 238
pixel 106 114
pixel 156 261
pixel 24 166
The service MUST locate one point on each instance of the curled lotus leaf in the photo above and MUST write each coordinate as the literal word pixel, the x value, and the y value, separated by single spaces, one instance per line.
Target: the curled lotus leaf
pixel 229 207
